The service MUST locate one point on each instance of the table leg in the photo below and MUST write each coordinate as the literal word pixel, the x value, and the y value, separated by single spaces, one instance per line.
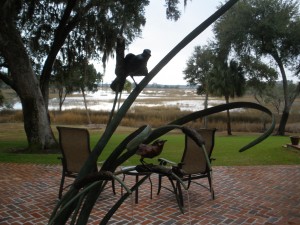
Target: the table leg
pixel 150 187
pixel 137 190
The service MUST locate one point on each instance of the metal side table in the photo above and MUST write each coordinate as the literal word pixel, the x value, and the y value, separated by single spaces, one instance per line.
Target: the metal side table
pixel 136 174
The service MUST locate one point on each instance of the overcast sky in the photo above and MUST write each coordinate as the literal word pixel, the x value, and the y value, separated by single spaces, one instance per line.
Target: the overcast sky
pixel 161 35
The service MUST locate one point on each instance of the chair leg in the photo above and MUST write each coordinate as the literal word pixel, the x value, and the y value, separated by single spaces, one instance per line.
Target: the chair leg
pixel 179 192
pixel 113 186
pixel 61 185
pixel 176 190
pixel 189 182
pixel 213 194
pixel 211 189
pixel 159 184
pixel 121 185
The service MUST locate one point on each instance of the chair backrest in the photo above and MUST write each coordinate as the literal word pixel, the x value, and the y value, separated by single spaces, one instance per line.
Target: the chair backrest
pixel 209 136
pixel 193 159
pixel 75 147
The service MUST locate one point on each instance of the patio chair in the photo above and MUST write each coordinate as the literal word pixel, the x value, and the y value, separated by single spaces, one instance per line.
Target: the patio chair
pixel 75 147
pixel 194 165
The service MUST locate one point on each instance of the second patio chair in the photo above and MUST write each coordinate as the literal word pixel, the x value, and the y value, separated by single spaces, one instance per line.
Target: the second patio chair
pixel 75 148
pixel 194 165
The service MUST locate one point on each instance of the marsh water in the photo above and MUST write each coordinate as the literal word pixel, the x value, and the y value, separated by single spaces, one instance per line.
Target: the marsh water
pixel 186 99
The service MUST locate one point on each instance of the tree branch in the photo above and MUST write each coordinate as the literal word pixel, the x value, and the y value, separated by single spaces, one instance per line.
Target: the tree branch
pixel 7 80
pixel 66 25
pixel 296 93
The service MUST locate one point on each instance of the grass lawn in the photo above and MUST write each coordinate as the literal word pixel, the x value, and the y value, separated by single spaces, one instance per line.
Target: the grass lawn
pixel 269 152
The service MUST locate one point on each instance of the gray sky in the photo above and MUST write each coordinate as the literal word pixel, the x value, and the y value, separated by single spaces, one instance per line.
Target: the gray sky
pixel 161 35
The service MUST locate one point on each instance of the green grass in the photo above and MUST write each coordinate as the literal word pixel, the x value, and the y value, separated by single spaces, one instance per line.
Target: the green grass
pixel 269 152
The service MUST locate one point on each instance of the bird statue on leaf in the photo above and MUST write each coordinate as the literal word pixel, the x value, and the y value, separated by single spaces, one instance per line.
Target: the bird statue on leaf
pixel 134 65
pixel 130 65
pixel 150 151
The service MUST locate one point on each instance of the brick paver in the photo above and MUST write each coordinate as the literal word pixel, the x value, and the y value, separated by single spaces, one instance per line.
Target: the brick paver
pixel 244 195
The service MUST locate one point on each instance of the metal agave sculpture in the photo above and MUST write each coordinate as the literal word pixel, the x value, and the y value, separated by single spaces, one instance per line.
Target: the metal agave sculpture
pixel 77 204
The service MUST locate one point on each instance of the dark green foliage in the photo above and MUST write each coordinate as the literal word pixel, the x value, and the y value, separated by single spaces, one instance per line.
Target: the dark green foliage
pixel 34 34
pixel 262 34
pixel 199 66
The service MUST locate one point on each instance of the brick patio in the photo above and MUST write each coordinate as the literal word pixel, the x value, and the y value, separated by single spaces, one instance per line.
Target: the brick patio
pixel 244 195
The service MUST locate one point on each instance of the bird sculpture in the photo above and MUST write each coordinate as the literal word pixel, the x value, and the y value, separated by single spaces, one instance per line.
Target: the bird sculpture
pixel 150 151
pixel 134 65
pixel 130 65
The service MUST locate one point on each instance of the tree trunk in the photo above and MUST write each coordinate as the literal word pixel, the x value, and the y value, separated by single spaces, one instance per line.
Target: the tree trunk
pixel 228 118
pixel 60 94
pixel 36 122
pixel 287 101
pixel 64 28
pixel 26 85
pixel 205 107
pixel 85 106
pixel 62 97
pixel 283 121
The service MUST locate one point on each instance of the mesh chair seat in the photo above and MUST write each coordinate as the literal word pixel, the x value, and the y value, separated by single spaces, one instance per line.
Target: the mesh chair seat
pixel 194 164
pixel 75 147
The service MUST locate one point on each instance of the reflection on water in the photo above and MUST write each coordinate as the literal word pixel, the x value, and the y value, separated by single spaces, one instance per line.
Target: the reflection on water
pixel 184 99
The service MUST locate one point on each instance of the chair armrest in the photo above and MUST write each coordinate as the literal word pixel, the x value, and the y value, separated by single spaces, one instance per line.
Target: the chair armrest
pixel 164 162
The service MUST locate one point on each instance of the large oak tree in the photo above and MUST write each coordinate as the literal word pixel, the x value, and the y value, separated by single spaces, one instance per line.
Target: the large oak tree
pixel 33 34
pixel 267 31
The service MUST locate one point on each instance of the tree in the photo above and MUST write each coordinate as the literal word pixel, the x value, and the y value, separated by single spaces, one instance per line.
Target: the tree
pixel 33 34
pixel 84 77
pixel 273 94
pixel 61 82
pixel 228 80
pixel 197 70
pixel 269 31
pixel 22 79
pixel 208 68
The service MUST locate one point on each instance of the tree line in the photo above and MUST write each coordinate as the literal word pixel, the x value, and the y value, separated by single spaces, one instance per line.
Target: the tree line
pixel 255 43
